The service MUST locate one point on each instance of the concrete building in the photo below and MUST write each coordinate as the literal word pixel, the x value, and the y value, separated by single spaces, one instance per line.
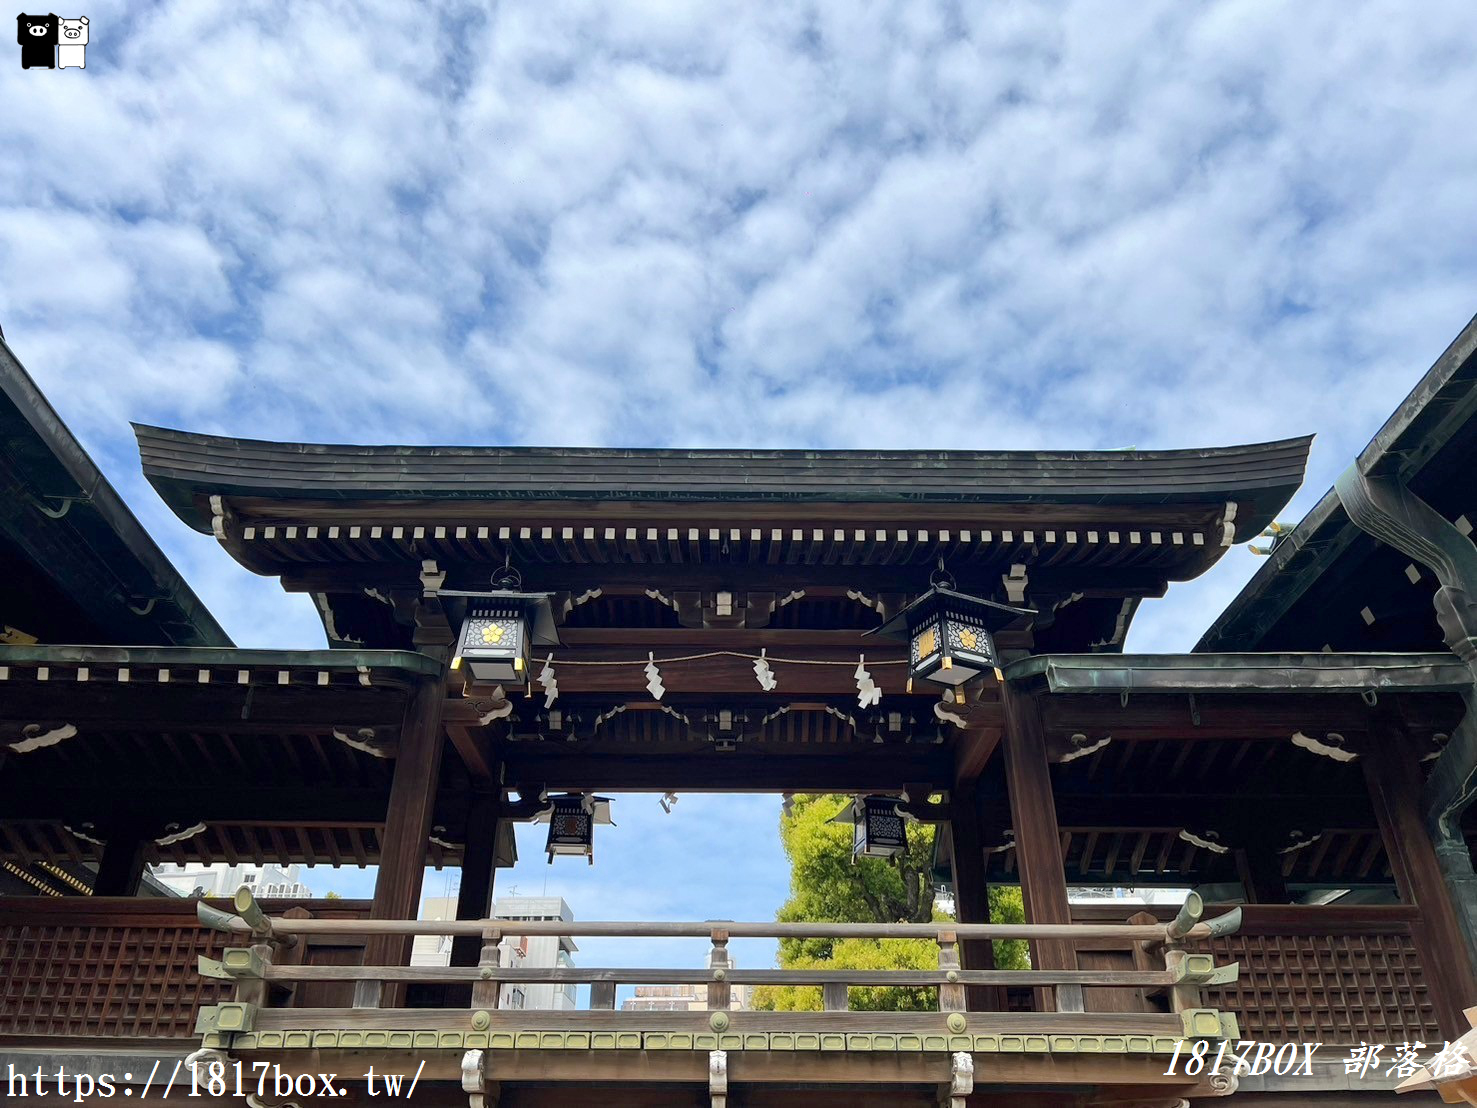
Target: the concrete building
pixel 526 951
pixel 542 951
pixel 681 998
pixel 268 882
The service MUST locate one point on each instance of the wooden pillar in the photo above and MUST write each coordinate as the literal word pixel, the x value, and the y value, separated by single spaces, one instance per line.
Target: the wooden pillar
pixel 479 861
pixel 1393 774
pixel 1260 868
pixel 972 895
pixel 397 890
pixel 1038 841
pixel 121 869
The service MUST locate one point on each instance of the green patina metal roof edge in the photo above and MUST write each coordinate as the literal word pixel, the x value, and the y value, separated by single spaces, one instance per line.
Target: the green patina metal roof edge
pixel 409 662
pixel 183 466
pixel 1443 399
pixel 96 496
pixel 1252 673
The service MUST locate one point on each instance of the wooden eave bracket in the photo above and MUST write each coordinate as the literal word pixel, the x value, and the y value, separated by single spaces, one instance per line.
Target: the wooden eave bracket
pixel 718 1078
pixel 961 1079
pixel 474 1081
pixel 209 967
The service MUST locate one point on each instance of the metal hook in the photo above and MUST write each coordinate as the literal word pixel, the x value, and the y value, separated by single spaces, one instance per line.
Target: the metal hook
pixel 1370 697
pixel 508 576
pixel 941 578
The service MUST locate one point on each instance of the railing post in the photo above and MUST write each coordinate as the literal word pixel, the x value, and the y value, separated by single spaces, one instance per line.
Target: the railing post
pixel 1183 997
pixel 253 990
pixel 719 989
pixel 951 995
pixel 602 996
pixel 485 991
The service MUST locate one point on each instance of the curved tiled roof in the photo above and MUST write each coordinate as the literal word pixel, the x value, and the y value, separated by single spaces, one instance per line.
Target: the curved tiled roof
pixel 184 466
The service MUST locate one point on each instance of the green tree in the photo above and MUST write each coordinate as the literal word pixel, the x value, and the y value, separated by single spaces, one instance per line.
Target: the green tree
pixel 826 885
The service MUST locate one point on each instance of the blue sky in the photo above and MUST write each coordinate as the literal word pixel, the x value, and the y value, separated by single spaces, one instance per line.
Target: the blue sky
pixel 999 225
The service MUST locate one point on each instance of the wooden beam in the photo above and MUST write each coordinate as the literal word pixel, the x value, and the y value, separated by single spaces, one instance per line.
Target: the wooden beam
pixel 748 769
pixel 121 869
pixel 1260 867
pixel 235 802
pixel 719 675
pixel 144 705
pixel 972 895
pixel 1153 716
pixel 474 748
pixel 1392 769
pixel 981 578
pixel 397 888
pixel 1037 837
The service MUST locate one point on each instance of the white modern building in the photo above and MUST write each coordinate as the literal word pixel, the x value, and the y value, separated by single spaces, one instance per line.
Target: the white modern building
pixel 528 951
pixel 541 951
pixel 268 882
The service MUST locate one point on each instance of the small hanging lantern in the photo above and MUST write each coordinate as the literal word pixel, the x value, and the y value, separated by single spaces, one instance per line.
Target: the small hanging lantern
pixel 950 634
pixel 571 818
pixel 878 828
pixel 501 628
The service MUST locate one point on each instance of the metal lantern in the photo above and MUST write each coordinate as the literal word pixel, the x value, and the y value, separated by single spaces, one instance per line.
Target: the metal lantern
pixel 501 628
pixel 950 634
pixel 571 819
pixel 877 827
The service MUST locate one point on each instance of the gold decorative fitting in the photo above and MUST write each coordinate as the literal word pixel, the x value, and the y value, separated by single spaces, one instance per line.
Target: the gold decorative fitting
pixel 968 639
pixel 492 633
pixel 927 642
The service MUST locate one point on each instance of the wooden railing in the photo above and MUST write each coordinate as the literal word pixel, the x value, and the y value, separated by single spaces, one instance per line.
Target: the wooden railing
pixel 101 968
pixel 269 961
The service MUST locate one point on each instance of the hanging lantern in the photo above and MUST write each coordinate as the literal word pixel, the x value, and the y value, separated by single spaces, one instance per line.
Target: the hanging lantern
pixel 501 628
pixel 878 829
pixel 571 819
pixel 950 634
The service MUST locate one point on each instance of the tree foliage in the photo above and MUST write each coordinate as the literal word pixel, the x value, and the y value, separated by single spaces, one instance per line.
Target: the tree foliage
pixel 826 885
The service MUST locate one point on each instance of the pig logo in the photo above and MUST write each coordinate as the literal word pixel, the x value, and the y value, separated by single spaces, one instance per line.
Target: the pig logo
pixel 71 47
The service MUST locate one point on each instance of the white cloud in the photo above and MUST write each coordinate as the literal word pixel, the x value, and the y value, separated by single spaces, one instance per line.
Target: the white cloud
pixel 905 224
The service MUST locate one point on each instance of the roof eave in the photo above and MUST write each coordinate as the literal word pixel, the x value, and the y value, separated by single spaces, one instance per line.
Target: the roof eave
pixel 96 498
pixel 1442 401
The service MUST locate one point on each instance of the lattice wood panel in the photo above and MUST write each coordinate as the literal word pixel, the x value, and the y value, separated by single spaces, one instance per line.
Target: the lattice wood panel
pixel 135 982
pixel 125 968
pixel 1345 988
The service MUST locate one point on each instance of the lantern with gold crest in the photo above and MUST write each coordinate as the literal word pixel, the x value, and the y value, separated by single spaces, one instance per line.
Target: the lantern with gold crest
pixel 501 628
pixel 950 634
